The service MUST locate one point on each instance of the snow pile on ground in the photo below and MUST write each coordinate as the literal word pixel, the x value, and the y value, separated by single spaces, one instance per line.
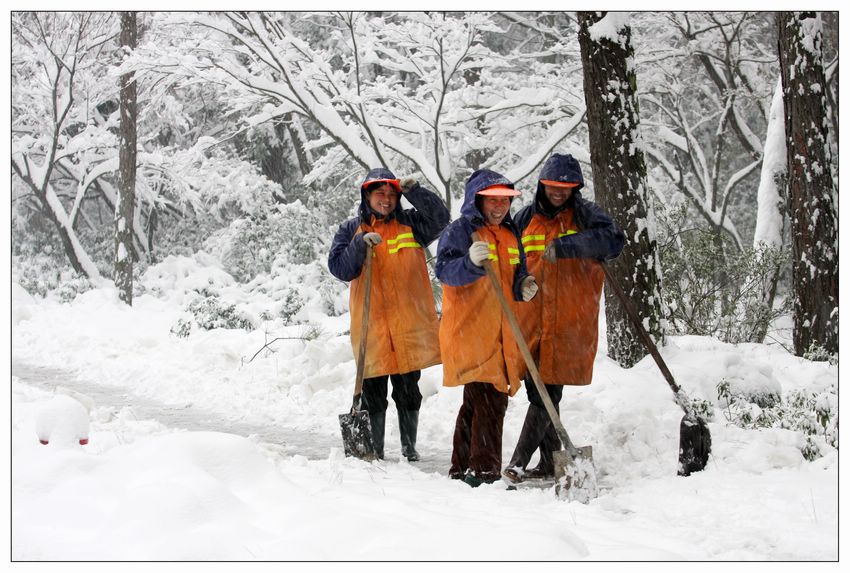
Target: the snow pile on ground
pixel 143 491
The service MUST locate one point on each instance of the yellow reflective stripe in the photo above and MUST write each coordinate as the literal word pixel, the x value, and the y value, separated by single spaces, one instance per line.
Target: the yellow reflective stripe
pixel 569 232
pixel 493 257
pixel 400 237
pixel 514 261
pixel 513 251
pixel 491 246
pixel 527 238
pixel 404 246
pixel 530 248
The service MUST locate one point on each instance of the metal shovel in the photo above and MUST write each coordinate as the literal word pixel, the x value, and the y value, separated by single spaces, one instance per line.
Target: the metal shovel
pixel 355 426
pixel 575 475
pixel 694 435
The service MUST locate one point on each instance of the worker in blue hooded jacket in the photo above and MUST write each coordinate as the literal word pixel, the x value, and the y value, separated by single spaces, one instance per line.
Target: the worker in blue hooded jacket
pixel 477 343
pixel 565 237
pixel 403 325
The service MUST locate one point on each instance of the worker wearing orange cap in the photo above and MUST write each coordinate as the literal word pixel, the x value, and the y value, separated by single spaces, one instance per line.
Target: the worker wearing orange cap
pixel 564 237
pixel 403 325
pixel 477 345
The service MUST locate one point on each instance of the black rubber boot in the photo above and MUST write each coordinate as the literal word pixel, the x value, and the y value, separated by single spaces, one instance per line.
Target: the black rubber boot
pixel 546 468
pixel 533 430
pixel 378 422
pixel 408 423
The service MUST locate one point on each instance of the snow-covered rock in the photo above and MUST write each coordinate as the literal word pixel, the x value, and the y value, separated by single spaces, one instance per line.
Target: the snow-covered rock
pixel 63 421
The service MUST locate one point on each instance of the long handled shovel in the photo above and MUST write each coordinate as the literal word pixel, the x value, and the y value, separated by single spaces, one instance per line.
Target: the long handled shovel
pixel 574 472
pixel 694 436
pixel 355 426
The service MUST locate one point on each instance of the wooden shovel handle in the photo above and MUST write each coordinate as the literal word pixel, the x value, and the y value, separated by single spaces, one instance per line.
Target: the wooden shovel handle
pixel 364 331
pixel 644 336
pixel 529 360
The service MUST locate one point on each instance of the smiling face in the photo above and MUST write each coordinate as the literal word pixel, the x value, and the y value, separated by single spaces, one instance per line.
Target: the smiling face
pixel 494 209
pixel 383 199
pixel 557 196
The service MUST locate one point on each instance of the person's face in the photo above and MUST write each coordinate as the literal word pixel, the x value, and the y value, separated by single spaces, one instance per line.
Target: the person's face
pixel 494 209
pixel 557 195
pixel 383 199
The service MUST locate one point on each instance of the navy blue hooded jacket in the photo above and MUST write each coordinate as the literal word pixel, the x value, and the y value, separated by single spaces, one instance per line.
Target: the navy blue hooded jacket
pixel 428 218
pixel 454 266
pixel 600 237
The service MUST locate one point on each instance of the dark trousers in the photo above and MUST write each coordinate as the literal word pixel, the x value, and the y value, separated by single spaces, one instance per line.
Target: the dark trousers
pixel 405 394
pixel 537 429
pixel 477 442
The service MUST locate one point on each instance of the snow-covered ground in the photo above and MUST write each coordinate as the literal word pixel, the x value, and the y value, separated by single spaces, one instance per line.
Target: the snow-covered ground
pixel 142 489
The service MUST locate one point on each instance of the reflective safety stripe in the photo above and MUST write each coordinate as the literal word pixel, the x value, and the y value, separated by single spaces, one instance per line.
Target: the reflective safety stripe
pixel 569 232
pixel 513 251
pixel 530 248
pixel 528 238
pixel 513 261
pixel 395 246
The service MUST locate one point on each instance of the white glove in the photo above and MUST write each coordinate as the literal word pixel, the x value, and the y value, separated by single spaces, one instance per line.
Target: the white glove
pixel 372 239
pixel 407 184
pixel 529 288
pixel 478 253
pixel 549 254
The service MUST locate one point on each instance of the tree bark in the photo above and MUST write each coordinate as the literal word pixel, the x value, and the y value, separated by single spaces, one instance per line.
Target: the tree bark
pixel 619 179
pixel 126 204
pixel 814 240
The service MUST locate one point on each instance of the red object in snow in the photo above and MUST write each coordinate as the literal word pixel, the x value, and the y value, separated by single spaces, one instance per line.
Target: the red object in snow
pixel 84 441
pixel 43 442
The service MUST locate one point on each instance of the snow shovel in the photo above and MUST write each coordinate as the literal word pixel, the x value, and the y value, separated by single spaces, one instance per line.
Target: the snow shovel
pixel 575 476
pixel 355 426
pixel 694 435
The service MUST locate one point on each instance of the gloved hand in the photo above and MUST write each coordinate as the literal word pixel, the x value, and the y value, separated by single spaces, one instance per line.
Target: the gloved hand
pixel 478 253
pixel 407 184
pixel 549 254
pixel 372 239
pixel 529 288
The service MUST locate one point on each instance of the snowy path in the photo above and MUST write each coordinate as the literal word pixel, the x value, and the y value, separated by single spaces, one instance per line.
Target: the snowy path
pixel 288 441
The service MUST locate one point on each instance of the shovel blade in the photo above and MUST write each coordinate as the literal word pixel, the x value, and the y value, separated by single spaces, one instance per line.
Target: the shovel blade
pixel 694 445
pixel 575 476
pixel 357 435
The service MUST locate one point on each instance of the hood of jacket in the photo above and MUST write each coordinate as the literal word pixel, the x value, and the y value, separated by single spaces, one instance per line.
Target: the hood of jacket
pixel 559 167
pixel 478 181
pixel 378 174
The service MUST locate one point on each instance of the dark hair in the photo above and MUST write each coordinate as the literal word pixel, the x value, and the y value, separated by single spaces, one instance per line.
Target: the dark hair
pixel 372 185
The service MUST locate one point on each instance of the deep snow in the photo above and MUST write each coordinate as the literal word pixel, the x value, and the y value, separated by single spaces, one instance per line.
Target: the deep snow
pixel 141 490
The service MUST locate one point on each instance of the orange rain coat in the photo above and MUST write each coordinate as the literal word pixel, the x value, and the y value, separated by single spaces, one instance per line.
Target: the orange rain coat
pixel 561 323
pixel 476 340
pixel 403 325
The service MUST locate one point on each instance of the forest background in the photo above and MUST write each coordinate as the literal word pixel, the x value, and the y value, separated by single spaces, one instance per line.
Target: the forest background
pixel 253 131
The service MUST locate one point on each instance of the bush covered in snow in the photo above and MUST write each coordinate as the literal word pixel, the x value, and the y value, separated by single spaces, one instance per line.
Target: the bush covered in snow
pixel 249 245
pixel 813 414
pixel 712 293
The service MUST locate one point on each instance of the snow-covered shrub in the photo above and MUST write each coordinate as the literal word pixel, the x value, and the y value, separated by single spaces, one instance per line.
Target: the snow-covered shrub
pixel 249 245
pixel 813 414
pixel 817 353
pixel 42 274
pixel 208 312
pixel 292 303
pixel 716 294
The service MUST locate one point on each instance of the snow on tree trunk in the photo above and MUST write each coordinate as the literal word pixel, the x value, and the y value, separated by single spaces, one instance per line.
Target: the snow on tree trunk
pixel 770 219
pixel 811 193
pixel 125 206
pixel 619 177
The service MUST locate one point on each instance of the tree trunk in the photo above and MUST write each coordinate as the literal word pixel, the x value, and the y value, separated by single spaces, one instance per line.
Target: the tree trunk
pixel 126 204
pixel 771 219
pixel 814 240
pixel 619 179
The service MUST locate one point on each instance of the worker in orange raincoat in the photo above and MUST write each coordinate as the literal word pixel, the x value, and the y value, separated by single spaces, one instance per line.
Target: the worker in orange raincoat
pixel 478 347
pixel 403 327
pixel 564 237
